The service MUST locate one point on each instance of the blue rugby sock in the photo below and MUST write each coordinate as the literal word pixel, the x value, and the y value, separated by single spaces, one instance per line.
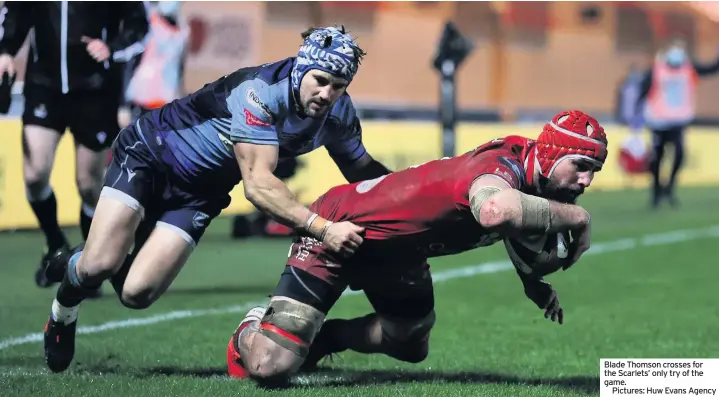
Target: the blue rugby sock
pixel 73 290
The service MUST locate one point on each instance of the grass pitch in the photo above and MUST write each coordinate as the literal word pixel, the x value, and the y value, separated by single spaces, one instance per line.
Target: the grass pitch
pixel 644 292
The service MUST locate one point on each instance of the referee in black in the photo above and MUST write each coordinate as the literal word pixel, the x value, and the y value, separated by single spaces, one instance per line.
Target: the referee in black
pixel 72 81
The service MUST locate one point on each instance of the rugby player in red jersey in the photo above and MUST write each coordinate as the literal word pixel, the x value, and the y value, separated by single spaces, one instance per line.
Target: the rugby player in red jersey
pixel 509 186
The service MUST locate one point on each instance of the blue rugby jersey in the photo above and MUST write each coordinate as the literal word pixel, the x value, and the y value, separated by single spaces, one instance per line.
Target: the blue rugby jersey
pixel 193 136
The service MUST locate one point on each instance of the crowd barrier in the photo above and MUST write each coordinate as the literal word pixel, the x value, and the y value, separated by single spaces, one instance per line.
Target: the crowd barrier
pixel 396 144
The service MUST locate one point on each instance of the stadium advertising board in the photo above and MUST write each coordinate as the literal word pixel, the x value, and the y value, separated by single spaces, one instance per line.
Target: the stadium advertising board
pixel 397 144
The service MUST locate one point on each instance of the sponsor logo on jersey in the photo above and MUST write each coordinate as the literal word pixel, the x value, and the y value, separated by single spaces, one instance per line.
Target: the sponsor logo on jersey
pixel 515 167
pixel 251 119
pixel 254 100
pixel 503 174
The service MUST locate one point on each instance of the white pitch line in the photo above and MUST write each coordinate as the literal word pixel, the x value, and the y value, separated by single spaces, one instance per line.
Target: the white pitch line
pixel 624 244
pixel 18 372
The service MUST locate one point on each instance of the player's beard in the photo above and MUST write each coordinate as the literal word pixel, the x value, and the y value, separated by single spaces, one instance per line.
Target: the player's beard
pixel 569 196
pixel 319 112
pixel 304 107
pixel 555 192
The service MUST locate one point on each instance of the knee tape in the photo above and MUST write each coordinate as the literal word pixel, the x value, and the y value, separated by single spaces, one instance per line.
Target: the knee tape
pixel 292 325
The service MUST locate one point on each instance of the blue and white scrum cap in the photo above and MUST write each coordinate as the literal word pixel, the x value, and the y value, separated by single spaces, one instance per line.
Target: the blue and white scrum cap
pixel 330 50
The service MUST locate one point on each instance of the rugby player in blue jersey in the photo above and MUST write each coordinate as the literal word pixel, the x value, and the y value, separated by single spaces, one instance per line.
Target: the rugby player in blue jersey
pixel 173 170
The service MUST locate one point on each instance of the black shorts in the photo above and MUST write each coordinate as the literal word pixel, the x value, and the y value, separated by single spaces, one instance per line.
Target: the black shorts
pixel 91 116
pixel 407 296
pixel 138 179
pixel 674 135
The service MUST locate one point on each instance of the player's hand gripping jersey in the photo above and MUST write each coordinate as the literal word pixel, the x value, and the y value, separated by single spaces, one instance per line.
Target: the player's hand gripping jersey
pixel 427 206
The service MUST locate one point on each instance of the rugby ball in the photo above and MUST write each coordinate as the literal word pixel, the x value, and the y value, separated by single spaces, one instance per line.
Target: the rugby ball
pixel 539 255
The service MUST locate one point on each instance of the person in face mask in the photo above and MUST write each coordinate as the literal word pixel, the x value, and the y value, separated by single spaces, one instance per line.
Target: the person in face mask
pixel 668 94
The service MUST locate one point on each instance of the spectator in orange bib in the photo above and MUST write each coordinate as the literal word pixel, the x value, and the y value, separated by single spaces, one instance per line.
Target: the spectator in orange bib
pixel 669 95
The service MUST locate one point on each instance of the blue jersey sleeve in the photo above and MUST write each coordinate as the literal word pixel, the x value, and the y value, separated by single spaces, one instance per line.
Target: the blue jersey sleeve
pixel 252 119
pixel 348 148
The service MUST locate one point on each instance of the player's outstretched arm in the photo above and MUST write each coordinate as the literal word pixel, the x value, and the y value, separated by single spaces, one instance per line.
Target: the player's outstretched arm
pixel 502 209
pixel 271 195
pixel 266 191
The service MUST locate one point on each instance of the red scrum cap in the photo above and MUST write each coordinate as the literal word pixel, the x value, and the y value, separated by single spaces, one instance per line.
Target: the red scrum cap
pixel 570 134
